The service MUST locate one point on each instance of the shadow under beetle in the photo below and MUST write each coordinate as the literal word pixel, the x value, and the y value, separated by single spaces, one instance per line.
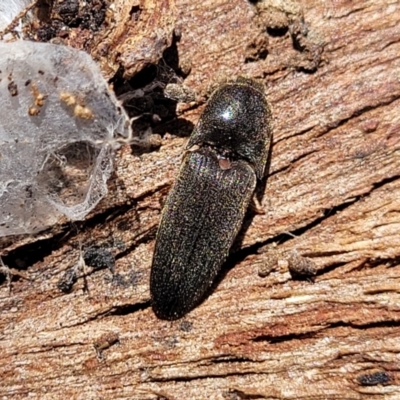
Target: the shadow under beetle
pixel 227 153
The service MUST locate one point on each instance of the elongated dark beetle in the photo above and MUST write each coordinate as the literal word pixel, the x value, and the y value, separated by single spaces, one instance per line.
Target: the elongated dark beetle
pixel 227 153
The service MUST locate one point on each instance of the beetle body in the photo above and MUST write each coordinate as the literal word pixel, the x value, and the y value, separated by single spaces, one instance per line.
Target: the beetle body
pixel 207 204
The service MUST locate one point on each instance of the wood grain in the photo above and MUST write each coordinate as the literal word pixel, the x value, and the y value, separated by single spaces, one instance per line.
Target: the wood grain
pixel 332 72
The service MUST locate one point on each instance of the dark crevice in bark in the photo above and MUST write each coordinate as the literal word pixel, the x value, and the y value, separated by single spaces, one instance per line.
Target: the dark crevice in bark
pixel 129 308
pixel 385 181
pixel 230 359
pixel 368 325
pixel 284 338
pixel 204 376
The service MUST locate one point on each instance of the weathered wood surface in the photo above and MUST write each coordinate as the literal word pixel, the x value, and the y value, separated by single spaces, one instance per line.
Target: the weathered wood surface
pixel 333 194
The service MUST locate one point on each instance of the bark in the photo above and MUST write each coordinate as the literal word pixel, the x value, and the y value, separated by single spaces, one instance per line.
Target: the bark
pixel 332 195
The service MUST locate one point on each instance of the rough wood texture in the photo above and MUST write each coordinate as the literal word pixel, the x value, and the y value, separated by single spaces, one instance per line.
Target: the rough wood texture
pixel 332 71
